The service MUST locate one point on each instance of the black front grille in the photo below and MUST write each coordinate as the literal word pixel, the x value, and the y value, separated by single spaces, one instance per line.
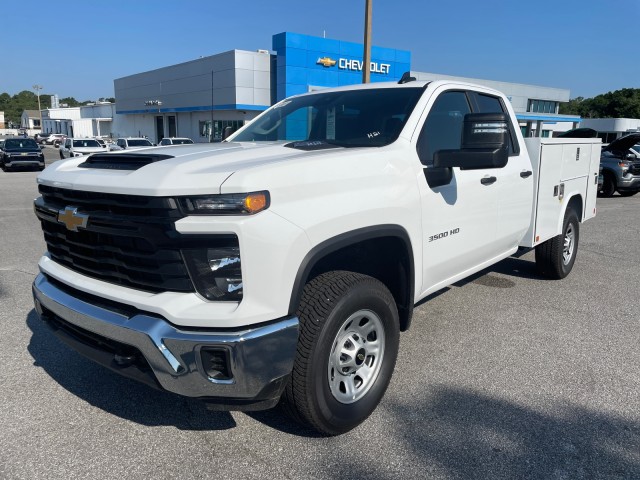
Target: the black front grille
pixel 634 168
pixel 128 240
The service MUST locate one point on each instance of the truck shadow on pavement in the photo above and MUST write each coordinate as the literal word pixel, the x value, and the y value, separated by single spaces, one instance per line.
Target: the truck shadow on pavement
pixel 474 436
pixel 114 394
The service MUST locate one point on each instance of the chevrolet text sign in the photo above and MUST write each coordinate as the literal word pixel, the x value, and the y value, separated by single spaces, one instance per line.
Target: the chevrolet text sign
pixel 346 64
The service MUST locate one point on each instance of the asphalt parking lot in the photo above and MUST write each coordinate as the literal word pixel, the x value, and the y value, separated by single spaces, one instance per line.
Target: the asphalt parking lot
pixel 504 375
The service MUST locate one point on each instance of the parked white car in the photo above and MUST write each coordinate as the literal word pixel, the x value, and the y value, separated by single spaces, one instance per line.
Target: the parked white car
pixel 77 147
pixel 175 141
pixel 55 139
pixel 131 143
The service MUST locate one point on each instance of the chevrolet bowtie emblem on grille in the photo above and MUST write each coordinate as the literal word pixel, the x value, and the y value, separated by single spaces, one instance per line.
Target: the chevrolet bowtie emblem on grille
pixel 326 61
pixel 72 219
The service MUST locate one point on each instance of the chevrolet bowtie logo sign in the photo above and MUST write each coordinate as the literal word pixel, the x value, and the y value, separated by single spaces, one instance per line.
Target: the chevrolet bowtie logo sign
pixel 72 219
pixel 326 61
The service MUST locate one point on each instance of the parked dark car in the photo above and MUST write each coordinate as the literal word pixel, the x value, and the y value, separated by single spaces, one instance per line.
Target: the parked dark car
pixel 620 167
pixel 21 153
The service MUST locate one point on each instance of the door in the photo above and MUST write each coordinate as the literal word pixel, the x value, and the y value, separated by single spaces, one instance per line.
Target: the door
pixel 459 207
pixel 65 149
pixel 514 182
pixel 171 125
pixel 159 128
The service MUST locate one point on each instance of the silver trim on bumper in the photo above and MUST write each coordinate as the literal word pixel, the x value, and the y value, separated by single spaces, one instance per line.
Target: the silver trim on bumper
pixel 258 356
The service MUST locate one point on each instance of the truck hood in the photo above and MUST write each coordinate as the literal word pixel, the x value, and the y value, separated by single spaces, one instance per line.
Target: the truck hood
pixel 623 143
pixel 197 169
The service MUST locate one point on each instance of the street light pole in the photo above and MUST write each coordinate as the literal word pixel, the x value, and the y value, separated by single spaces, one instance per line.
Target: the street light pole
pixel 366 67
pixel 37 88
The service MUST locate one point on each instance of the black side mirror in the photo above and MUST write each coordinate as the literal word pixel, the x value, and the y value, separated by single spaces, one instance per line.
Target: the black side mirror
pixel 485 143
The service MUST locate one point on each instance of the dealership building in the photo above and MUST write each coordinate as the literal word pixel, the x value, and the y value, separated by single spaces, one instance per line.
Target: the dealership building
pixel 199 98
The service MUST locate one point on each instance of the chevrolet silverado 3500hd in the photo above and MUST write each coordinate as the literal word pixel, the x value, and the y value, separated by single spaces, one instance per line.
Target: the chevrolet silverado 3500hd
pixel 283 263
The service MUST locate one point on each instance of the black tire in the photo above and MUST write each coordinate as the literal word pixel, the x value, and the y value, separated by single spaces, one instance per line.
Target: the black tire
pixel 608 185
pixel 628 193
pixel 328 302
pixel 552 258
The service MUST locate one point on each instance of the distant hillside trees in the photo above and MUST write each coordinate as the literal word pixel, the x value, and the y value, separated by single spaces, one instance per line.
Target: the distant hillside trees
pixel 13 106
pixel 623 103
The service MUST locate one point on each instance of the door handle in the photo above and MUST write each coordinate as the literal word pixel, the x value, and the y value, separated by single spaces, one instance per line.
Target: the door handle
pixel 488 180
pixel 526 173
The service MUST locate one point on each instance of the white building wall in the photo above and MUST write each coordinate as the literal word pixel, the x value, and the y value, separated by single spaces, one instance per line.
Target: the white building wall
pixel 518 93
pixel 133 126
pixel 70 113
pixel 612 125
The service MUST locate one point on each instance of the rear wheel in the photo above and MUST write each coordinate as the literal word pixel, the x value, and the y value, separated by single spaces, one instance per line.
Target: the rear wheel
pixel 556 256
pixel 608 185
pixel 349 334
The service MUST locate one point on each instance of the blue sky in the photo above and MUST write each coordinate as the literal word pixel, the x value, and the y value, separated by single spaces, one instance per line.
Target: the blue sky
pixel 78 47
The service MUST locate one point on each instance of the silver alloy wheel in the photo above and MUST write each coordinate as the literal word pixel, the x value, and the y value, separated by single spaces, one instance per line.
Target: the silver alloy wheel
pixel 356 356
pixel 569 242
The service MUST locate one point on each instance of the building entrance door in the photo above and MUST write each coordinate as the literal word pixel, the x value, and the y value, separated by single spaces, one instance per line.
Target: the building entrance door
pixel 171 125
pixel 159 128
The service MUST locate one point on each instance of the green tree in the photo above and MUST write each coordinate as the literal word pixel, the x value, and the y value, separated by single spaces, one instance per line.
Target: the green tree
pixel 624 103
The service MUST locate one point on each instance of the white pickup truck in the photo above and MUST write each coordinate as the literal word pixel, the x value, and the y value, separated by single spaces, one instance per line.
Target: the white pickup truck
pixel 283 263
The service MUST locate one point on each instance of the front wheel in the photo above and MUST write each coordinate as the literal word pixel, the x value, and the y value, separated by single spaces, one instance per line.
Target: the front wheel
pixel 556 256
pixel 347 350
pixel 608 185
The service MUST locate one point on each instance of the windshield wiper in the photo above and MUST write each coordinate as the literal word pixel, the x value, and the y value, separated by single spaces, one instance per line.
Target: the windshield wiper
pixel 308 145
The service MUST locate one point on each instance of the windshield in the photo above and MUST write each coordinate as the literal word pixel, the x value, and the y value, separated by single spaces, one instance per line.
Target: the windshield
pixel 20 143
pixel 182 141
pixel 351 118
pixel 85 143
pixel 139 143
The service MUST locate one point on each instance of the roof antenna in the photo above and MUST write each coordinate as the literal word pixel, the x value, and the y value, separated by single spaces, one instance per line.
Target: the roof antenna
pixel 406 78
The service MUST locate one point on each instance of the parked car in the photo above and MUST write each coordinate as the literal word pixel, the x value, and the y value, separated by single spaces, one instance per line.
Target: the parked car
pixel 41 137
pixel 55 139
pixel 21 152
pixel 131 143
pixel 175 141
pixel 620 167
pixel 76 147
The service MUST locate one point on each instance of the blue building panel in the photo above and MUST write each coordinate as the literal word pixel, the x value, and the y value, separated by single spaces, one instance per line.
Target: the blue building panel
pixel 295 40
pixel 351 49
pixel 324 78
pixel 279 41
pixel 293 89
pixel 327 46
pixel 403 56
pixel 295 57
pixel 297 75
pixel 383 54
pixel 350 78
pixel 304 61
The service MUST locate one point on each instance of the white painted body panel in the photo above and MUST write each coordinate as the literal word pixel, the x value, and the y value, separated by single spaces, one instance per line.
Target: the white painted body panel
pixel 315 196
pixel 556 162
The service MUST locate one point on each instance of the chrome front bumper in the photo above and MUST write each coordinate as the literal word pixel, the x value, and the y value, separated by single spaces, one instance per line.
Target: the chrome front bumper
pixel 16 162
pixel 260 358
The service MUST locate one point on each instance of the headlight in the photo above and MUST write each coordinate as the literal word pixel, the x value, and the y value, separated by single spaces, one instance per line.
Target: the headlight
pixel 227 204
pixel 216 272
